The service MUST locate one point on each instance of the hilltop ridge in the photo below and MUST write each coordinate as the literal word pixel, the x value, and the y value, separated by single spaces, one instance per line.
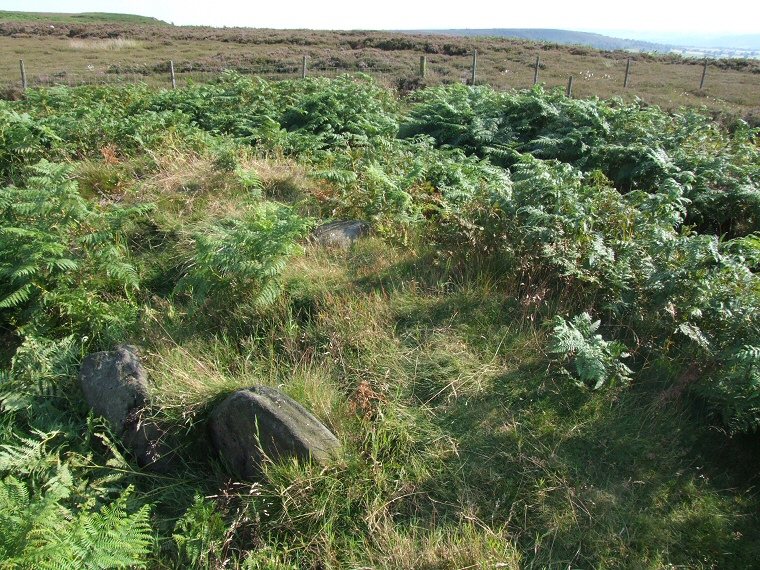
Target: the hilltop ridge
pixel 594 40
pixel 82 18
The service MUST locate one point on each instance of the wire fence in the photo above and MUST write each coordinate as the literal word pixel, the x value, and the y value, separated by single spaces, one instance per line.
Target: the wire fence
pixel 184 77
pixel 687 80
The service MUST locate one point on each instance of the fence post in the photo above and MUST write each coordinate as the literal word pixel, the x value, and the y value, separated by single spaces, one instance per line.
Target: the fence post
pixel 538 64
pixel 423 65
pixel 474 65
pixel 171 68
pixel 627 72
pixel 23 74
pixel 570 87
pixel 704 74
pixel 303 68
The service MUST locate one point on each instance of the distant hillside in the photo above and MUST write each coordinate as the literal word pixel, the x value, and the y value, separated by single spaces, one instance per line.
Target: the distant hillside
pixel 743 42
pixel 83 18
pixel 597 41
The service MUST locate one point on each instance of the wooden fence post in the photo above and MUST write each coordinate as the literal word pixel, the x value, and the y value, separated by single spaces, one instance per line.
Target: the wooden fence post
pixel 704 74
pixel 474 65
pixel 303 68
pixel 570 87
pixel 23 74
pixel 627 72
pixel 423 66
pixel 171 68
pixel 538 64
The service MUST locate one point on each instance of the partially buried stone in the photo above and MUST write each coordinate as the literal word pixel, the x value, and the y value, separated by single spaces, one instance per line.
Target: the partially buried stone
pixel 258 422
pixel 341 233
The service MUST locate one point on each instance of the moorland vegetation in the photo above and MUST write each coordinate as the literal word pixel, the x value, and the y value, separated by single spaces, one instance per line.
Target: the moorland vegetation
pixel 546 355
pixel 76 49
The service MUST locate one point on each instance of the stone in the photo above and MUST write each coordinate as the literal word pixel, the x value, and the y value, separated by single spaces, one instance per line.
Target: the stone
pixel 341 233
pixel 150 445
pixel 115 385
pixel 260 422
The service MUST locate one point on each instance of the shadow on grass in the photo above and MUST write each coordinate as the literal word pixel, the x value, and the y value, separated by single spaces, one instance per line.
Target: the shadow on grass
pixel 613 478
pixel 594 479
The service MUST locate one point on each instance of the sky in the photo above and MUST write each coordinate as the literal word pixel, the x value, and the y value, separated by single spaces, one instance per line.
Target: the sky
pixel 718 18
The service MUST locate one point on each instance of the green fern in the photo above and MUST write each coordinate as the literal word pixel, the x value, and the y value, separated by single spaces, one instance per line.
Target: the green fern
pixel 15 522
pixel 23 141
pixel 200 534
pixel 268 558
pixel 29 456
pixel 241 259
pixel 595 359
pixel 251 181
pixel 59 255
pixel 349 110
pixel 41 533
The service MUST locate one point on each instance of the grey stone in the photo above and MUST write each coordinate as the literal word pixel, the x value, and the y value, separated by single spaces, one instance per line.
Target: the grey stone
pixel 115 384
pixel 258 422
pixel 340 233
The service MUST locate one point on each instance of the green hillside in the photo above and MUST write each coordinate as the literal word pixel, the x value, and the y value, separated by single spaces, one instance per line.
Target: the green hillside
pixel 83 18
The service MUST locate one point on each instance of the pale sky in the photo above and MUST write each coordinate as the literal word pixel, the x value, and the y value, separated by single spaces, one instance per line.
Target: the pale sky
pixel 725 16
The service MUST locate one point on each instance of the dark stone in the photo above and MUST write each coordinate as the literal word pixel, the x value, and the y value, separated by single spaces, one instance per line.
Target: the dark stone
pixel 150 445
pixel 258 422
pixel 115 385
pixel 341 233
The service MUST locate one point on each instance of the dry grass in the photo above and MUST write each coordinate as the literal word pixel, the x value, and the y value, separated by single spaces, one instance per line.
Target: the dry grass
pixel 186 377
pixel 188 187
pixel 472 544
pixel 113 44
pixel 285 181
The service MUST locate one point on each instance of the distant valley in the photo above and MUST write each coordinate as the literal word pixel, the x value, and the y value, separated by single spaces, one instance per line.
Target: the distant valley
pixel 690 45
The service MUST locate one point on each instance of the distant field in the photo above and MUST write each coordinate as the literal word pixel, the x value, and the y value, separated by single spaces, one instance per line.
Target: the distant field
pixel 108 48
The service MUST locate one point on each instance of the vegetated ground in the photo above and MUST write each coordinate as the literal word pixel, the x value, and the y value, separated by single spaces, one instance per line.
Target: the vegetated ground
pixel 545 356
pixel 73 51
pixel 81 18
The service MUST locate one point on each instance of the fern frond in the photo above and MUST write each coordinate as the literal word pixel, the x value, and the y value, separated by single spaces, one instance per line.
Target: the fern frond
pixel 240 259
pixel 29 455
pixel 268 294
pixel 108 539
pixel 748 355
pixel 695 334
pixel 18 297
pixel 596 359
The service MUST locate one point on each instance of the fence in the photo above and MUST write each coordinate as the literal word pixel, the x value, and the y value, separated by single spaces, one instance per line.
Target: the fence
pixel 466 69
pixel 178 77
